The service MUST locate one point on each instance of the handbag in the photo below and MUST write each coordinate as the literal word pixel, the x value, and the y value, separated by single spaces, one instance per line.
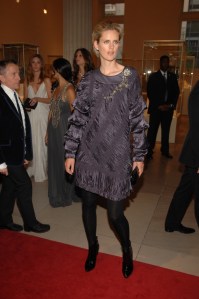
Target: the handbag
pixel 27 105
pixel 134 176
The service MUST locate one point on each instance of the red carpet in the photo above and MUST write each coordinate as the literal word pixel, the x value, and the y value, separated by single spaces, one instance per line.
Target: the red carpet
pixel 32 267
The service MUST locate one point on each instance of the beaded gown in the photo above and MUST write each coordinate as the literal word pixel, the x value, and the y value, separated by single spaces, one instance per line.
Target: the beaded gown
pixel 61 189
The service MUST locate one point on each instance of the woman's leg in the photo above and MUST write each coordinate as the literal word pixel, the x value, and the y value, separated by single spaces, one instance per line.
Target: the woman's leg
pixel 89 204
pixel 121 226
pixel 119 221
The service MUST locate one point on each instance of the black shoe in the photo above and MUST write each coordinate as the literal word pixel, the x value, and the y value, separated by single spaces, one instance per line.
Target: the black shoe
pixel 167 155
pixel 92 256
pixel 127 264
pixel 12 226
pixel 37 228
pixel 181 229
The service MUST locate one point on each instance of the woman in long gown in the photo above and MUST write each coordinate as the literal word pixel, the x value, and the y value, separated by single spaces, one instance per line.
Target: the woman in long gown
pixel 61 189
pixel 37 87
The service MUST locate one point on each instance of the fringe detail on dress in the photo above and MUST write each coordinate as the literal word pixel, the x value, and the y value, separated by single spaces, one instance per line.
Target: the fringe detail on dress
pixel 103 185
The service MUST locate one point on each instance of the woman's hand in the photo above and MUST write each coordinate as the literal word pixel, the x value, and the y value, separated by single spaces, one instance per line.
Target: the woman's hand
pixel 70 165
pixel 140 166
pixel 46 139
pixel 33 101
pixel 26 163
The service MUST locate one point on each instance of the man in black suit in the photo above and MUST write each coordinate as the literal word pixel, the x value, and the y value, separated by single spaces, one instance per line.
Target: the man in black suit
pixel 15 154
pixel 162 92
pixel 189 184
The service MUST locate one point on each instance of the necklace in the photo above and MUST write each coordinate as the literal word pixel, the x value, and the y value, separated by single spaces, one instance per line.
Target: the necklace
pixel 80 74
pixel 55 107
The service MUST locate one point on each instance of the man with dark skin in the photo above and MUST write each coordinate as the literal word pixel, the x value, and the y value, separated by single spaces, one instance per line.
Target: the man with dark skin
pixel 162 92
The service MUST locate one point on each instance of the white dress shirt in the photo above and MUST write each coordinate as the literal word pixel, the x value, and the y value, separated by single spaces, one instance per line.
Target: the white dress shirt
pixel 164 74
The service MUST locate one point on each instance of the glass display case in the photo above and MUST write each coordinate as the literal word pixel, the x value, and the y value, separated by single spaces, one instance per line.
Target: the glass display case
pixel 180 64
pixel 187 81
pixel 153 50
pixel 20 53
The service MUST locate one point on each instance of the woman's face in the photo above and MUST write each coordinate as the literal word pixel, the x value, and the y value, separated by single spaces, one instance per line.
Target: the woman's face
pixel 108 45
pixel 79 58
pixel 55 74
pixel 36 64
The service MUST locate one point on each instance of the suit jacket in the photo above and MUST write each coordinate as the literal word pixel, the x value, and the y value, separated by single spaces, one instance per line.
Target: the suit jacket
pixel 156 89
pixel 190 151
pixel 15 144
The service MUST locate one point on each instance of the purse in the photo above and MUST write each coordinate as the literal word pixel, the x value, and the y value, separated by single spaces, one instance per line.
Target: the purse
pixel 27 105
pixel 134 176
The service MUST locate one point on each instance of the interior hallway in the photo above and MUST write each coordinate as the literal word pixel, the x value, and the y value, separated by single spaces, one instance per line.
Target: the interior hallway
pixel 146 214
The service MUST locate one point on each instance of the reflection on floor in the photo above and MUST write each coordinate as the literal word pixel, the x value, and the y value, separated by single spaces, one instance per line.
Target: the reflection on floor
pixel 146 214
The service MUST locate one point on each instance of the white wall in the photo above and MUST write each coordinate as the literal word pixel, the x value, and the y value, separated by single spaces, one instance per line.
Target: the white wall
pixel 77 26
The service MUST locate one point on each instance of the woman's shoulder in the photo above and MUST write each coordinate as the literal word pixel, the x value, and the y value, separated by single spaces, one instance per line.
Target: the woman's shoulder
pixel 69 88
pixel 47 80
pixel 86 80
pixel 131 75
pixel 130 71
pixel 89 74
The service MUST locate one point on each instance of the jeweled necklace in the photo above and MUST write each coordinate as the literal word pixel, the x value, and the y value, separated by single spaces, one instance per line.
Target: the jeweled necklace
pixel 81 75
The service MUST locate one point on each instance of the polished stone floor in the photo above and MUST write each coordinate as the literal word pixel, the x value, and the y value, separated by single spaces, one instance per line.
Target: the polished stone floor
pixel 145 211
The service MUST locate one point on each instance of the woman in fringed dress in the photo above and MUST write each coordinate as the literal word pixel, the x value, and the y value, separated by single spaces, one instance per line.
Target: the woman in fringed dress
pixel 108 108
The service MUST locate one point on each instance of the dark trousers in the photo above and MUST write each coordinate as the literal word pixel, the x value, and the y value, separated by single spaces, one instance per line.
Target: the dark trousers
pixel 115 214
pixel 16 186
pixel 188 187
pixel 157 118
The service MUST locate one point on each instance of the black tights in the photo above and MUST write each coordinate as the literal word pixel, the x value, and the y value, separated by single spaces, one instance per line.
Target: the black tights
pixel 115 214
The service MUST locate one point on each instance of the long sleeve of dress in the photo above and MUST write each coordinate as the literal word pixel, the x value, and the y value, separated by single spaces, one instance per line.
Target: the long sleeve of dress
pixel 138 124
pixel 79 118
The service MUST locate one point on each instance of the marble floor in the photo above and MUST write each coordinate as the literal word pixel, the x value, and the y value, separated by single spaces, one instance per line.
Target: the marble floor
pixel 145 211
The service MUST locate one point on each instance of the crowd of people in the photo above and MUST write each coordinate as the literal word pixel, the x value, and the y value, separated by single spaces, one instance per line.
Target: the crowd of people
pixel 86 135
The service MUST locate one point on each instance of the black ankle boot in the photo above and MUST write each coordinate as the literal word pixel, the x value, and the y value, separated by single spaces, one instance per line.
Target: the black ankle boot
pixel 127 264
pixel 92 255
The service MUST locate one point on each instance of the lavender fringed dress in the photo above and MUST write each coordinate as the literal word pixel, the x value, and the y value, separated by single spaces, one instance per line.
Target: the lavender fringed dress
pixel 107 109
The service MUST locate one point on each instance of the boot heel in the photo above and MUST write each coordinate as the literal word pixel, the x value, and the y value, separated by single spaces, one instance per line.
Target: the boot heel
pixel 127 264
pixel 92 256
pixel 26 228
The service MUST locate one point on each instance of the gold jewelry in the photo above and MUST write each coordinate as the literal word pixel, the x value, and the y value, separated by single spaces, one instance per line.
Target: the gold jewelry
pixel 81 75
pixel 55 105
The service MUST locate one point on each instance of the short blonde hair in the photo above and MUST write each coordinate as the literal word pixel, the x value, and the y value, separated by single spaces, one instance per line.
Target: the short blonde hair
pixel 104 26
